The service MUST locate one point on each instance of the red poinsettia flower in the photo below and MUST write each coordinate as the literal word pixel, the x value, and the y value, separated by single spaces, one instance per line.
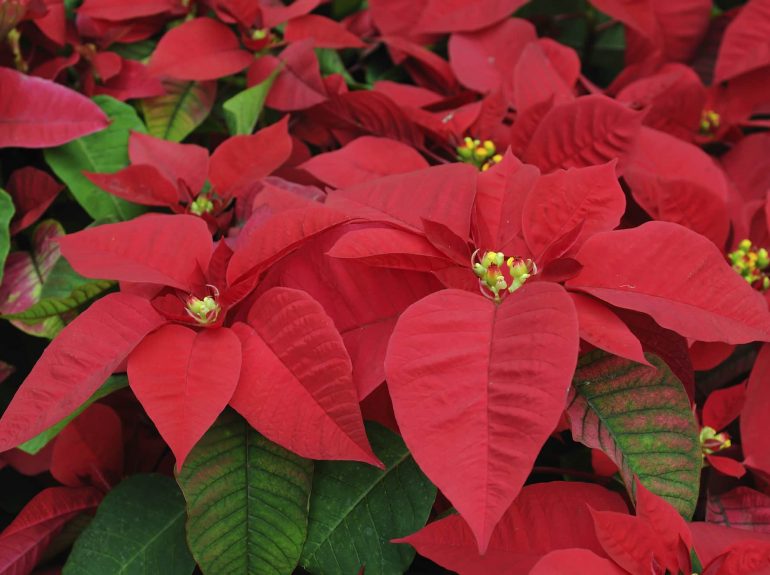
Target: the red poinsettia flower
pixel 185 362
pixel 495 386
pixel 172 175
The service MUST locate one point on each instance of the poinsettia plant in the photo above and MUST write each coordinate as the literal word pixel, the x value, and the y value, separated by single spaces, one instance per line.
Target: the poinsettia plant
pixel 384 287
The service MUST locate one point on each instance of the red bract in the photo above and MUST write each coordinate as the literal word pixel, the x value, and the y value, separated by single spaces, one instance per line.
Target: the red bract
pixel 170 334
pixel 173 175
pixel 37 113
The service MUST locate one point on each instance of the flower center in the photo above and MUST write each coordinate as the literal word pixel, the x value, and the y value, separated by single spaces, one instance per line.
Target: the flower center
pixel 709 122
pixel 205 311
pixel 751 263
pixel 201 205
pixel 483 155
pixel 711 441
pixel 493 280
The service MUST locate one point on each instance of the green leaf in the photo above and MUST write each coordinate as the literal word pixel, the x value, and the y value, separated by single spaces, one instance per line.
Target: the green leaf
pixel 103 152
pixel 50 307
pixel 183 108
pixel 242 110
pixel 331 62
pixel 113 384
pixel 6 214
pixel 138 529
pixel 356 509
pixel 247 501
pixel 641 418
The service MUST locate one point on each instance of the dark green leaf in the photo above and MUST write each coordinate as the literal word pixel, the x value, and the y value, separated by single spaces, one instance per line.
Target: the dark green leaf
pixel 103 152
pixel 138 529
pixel 247 501
pixel 356 509
pixel 6 214
pixel 113 383
pixel 641 418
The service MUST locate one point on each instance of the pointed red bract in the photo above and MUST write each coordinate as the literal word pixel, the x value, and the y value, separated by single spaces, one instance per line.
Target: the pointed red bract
pixel 186 162
pixel 324 32
pixel 365 158
pixel 660 269
pixel 200 49
pixel 564 199
pixel 575 562
pixel 171 250
pixel 754 415
pixel 723 406
pixel 544 517
pixel 75 364
pixel 141 184
pixel 243 160
pixel 89 451
pixel 476 410
pixel 591 130
pixel 296 387
pixel 673 537
pixel 23 542
pixel 600 327
pixel 119 10
pixel 628 541
pixel 37 113
pixel 184 380
pixel 460 16
pixel 745 45
pixel 32 191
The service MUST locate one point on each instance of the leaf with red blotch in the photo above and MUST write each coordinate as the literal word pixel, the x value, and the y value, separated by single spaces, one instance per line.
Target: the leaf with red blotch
pixel 640 417
pixel 32 191
pixel 484 61
pixel 284 232
pixel 575 562
pixel 242 160
pixel 365 158
pixel 169 250
pixel 729 311
pixel 296 387
pixel 119 10
pixel 478 406
pixel 186 162
pixel 629 542
pixel 363 302
pixel 754 414
pixel 591 130
pixel 324 32
pixel 37 113
pixel 89 451
pixel 600 327
pixel 76 363
pixel 407 199
pixel 563 199
pixel 745 45
pixel 298 84
pixel 543 518
pixel 23 542
pixel 677 182
pixel 460 16
pixel 200 49
pixel 743 507
pixel 713 540
pixel 140 184
pixel 723 406
pixel 184 379
pixel 673 538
